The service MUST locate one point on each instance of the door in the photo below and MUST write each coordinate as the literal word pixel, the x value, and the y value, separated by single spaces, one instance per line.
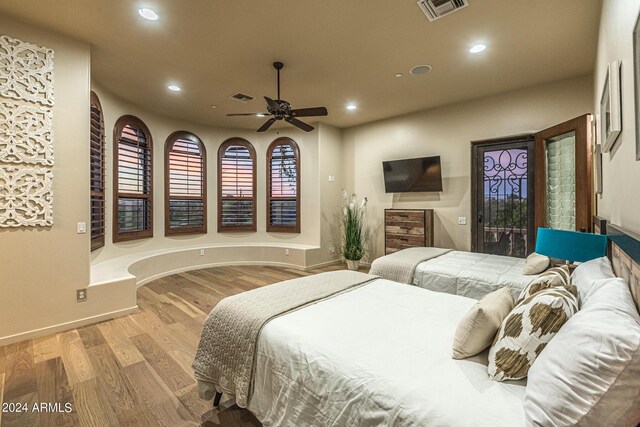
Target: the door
pixel 564 181
pixel 502 181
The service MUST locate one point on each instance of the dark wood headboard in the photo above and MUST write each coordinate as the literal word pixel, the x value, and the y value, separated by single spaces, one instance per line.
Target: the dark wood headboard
pixel 625 258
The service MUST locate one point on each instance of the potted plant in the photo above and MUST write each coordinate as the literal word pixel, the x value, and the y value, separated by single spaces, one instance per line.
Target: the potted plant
pixel 353 230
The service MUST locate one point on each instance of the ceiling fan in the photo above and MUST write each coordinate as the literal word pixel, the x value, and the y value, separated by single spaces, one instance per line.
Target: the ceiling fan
pixel 281 110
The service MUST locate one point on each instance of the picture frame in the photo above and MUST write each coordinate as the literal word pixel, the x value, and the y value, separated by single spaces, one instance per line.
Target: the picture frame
pixel 597 165
pixel 611 108
pixel 636 81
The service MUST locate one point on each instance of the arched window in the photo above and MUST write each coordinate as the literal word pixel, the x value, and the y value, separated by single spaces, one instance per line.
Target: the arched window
pixel 236 186
pixel 283 186
pixel 132 180
pixel 185 194
pixel 97 169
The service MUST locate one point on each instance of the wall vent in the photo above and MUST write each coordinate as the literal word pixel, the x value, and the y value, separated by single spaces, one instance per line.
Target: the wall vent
pixel 242 97
pixel 435 9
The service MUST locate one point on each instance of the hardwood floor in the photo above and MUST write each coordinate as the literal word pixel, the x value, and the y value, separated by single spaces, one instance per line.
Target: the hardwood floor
pixel 135 370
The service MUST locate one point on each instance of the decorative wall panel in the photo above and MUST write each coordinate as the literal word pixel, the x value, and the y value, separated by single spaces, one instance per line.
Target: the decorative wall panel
pixel 26 71
pixel 26 196
pixel 26 134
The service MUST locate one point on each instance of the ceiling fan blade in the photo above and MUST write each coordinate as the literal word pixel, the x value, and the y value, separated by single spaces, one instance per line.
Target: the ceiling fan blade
pixel 246 114
pixel 273 104
pixel 266 125
pixel 300 124
pixel 308 112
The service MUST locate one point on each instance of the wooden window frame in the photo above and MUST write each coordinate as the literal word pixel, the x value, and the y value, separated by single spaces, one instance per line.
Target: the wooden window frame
pixel 252 153
pixel 171 140
pixel 117 130
pixel 97 240
pixel 296 151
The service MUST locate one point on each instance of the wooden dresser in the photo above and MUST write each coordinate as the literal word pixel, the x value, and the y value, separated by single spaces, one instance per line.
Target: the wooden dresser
pixel 407 228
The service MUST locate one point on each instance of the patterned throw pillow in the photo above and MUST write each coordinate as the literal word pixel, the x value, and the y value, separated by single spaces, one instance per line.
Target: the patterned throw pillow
pixel 556 276
pixel 526 331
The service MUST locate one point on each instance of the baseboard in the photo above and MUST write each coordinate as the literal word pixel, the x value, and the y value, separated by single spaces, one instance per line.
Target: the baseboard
pixel 10 339
pixel 322 264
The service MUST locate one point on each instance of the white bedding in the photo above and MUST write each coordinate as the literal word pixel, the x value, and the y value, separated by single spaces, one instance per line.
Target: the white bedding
pixel 470 274
pixel 377 356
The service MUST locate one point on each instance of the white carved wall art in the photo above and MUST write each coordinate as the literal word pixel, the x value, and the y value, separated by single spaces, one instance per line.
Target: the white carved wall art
pixel 26 196
pixel 26 133
pixel 26 71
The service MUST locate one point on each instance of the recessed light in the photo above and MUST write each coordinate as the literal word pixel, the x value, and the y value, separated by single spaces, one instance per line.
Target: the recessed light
pixel 398 75
pixel 260 115
pixel 148 14
pixel 477 48
pixel 352 107
pixel 174 88
pixel 213 106
pixel 420 69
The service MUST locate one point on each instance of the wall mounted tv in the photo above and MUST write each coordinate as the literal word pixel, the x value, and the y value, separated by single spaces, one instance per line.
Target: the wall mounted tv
pixel 412 175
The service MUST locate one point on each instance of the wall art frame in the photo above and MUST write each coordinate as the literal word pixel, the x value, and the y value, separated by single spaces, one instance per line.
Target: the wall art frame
pixel 611 107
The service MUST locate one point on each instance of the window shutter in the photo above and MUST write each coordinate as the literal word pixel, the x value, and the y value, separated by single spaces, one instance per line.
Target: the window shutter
pixel 185 185
pixel 283 182
pixel 236 186
pixel 97 169
pixel 133 180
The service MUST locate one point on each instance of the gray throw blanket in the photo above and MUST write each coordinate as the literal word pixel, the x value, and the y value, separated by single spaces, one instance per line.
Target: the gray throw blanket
pixel 400 266
pixel 226 354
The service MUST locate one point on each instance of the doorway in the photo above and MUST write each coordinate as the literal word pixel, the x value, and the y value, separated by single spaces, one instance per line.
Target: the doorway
pixel 503 208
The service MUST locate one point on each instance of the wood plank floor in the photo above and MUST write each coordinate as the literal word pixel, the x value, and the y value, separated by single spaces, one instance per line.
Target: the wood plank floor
pixel 134 370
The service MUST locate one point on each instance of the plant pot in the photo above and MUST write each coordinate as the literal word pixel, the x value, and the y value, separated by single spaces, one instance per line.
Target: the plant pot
pixel 353 264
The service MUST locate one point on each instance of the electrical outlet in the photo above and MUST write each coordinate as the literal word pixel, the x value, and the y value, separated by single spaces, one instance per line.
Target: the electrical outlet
pixel 462 220
pixel 201 252
pixel 332 250
pixel 81 295
pixel 332 178
pixel 286 252
pixel 82 227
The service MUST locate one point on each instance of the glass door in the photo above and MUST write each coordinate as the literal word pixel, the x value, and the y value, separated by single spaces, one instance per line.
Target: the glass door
pixel 564 180
pixel 503 209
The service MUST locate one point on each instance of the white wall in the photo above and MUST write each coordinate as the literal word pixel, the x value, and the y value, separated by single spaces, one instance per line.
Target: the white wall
pixel 619 202
pixel 447 132
pixel 41 268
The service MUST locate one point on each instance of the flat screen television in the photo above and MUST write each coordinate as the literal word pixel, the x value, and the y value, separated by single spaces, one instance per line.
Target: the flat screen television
pixel 412 175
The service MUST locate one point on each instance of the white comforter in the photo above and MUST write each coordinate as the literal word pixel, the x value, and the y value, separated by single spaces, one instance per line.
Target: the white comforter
pixel 470 274
pixel 377 356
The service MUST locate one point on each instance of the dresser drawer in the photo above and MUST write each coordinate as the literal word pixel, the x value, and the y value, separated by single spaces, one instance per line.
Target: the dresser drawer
pixel 405 229
pixel 404 217
pixel 405 239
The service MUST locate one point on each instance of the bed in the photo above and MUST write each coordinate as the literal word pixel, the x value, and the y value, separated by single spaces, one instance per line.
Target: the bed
pixel 378 353
pixel 469 274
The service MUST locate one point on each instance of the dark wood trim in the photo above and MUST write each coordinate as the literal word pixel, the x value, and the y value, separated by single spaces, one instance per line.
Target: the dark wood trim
pixel 99 240
pixel 117 130
pixel 252 153
pixel 477 166
pixel 283 141
pixel 583 161
pixel 171 139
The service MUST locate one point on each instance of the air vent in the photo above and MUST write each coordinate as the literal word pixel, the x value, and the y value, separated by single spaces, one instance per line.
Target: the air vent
pixel 435 9
pixel 242 97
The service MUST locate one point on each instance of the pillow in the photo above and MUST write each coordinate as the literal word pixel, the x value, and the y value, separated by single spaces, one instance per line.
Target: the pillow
pixel 589 375
pixel 586 274
pixel 535 264
pixel 478 327
pixel 525 332
pixel 556 276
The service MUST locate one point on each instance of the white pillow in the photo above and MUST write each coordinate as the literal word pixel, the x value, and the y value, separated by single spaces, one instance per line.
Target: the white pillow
pixel 589 374
pixel 535 264
pixel 586 274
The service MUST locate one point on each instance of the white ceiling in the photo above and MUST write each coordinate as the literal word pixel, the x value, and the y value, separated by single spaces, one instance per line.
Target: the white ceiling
pixel 335 52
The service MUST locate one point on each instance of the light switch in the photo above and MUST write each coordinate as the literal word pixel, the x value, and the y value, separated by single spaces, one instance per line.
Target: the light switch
pixel 462 220
pixel 82 227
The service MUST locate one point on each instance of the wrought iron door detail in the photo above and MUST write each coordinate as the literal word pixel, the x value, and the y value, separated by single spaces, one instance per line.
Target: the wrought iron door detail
pixel 504 216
